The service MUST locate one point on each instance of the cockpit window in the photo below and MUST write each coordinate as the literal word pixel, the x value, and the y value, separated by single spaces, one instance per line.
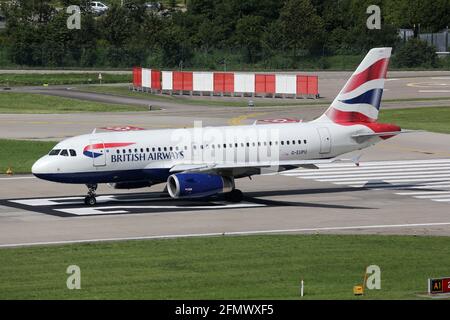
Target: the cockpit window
pixel 54 152
pixel 64 153
pixel 73 153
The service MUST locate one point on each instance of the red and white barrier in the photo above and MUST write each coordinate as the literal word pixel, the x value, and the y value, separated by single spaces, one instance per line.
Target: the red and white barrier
pixel 253 84
pixel 144 79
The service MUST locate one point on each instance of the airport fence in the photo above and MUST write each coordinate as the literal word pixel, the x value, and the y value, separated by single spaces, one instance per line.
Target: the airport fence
pixel 237 84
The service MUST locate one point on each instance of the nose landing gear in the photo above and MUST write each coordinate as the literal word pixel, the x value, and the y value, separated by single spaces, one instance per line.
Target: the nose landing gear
pixel 90 199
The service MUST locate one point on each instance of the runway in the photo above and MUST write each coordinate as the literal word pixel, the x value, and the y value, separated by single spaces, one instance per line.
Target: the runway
pixel 402 186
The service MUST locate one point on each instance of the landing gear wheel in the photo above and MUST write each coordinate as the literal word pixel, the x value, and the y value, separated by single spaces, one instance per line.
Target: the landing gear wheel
pixel 90 201
pixel 234 196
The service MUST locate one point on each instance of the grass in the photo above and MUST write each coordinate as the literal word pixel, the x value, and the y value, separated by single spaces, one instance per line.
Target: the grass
pixel 124 91
pixel 11 102
pixel 435 119
pixel 252 267
pixel 9 79
pixel 20 155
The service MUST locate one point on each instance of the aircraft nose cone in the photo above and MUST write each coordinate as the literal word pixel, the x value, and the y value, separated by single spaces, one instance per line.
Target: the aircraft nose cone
pixel 39 167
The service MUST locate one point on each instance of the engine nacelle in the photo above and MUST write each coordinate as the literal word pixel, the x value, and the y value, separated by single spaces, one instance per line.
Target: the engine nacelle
pixel 130 185
pixel 195 185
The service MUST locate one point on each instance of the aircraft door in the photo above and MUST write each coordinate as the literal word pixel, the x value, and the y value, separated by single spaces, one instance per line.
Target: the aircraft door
pixel 97 148
pixel 325 140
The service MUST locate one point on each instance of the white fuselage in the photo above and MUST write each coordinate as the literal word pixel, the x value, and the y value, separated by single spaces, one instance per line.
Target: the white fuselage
pixel 149 154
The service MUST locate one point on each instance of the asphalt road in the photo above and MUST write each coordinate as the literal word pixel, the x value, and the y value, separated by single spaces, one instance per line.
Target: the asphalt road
pixel 406 193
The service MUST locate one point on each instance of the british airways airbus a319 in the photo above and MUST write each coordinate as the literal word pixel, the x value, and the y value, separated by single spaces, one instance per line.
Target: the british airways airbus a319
pixel 202 162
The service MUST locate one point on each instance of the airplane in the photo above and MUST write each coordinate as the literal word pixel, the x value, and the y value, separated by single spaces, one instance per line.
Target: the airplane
pixel 204 162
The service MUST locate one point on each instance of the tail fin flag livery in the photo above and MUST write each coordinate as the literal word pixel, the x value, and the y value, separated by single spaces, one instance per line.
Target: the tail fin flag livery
pixel 359 100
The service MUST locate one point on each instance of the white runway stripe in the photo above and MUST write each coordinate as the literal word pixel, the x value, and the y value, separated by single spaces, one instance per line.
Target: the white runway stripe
pixel 17 178
pixel 390 178
pixel 400 186
pixel 365 182
pixel 379 174
pixel 422 193
pixel 426 179
pixel 433 196
pixel 311 172
pixel 385 163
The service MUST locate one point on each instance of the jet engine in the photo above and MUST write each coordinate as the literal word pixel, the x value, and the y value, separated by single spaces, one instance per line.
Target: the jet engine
pixel 195 185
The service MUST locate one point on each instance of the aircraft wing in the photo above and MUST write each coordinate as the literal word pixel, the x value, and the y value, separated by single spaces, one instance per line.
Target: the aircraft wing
pixel 249 168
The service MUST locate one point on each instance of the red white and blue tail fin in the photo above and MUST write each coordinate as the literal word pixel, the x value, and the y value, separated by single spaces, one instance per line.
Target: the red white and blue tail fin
pixel 360 99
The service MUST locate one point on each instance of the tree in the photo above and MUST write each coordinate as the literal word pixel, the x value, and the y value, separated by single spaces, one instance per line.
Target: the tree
pixel 301 27
pixel 248 36
pixel 416 53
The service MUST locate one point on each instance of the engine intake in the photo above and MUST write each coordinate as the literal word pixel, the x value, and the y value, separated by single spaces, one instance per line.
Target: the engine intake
pixel 195 185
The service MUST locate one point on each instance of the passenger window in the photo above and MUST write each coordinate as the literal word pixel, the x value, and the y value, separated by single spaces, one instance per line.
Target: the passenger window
pixel 287 142
pixel 64 153
pixel 159 149
pixel 282 143
pixel 304 141
pixel 153 149
pixel 73 153
pixel 54 152
pixel 299 141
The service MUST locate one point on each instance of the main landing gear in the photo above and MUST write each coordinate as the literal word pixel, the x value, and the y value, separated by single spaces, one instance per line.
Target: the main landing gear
pixel 234 196
pixel 90 199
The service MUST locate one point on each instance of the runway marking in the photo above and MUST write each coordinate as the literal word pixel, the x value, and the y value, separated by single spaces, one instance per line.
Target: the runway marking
pixel 237 120
pixel 434 91
pixel 98 210
pixel 387 178
pixel 132 203
pixel 17 178
pixel 231 233
pixel 427 179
